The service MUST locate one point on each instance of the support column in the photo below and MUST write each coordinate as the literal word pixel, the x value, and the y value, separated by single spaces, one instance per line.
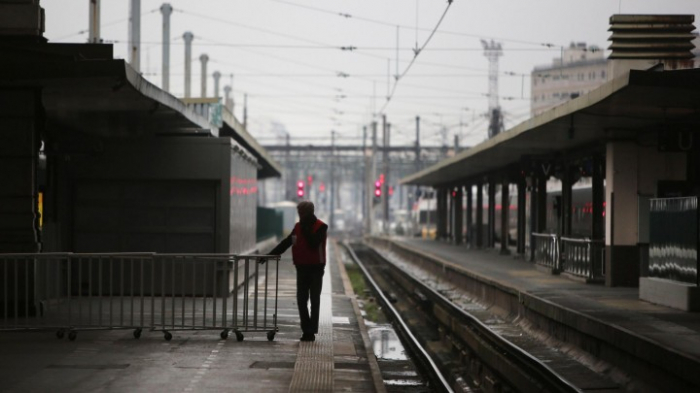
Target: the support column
pixel 621 251
pixel 449 221
pixel 442 220
pixel 598 191
pixel 521 226
pixel 541 210
pixel 20 120
pixel 566 201
pixel 505 217
pixel 490 238
pixel 479 215
pixel 470 227
pixel 438 211
pixel 457 212
pixel 532 190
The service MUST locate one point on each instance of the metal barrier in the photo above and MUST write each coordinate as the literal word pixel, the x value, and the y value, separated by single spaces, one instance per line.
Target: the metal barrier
pixel 547 250
pixel 673 239
pixel 69 292
pixel 583 258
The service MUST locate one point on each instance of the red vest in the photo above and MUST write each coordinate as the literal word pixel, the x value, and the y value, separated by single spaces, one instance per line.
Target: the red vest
pixel 302 253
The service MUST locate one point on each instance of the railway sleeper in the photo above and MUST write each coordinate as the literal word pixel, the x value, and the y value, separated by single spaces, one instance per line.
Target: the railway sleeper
pixel 457 336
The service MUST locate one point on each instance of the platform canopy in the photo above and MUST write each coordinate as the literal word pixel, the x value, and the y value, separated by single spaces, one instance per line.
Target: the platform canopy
pixel 85 90
pixel 639 105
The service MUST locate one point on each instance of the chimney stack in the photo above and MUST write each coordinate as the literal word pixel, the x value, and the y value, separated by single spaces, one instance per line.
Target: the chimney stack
pixel 217 76
pixel 188 37
pixel 228 102
pixel 94 31
pixel 166 10
pixel 135 35
pixel 643 41
pixel 204 59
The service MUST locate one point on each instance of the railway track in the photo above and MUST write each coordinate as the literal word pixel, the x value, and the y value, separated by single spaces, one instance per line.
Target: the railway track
pixel 455 350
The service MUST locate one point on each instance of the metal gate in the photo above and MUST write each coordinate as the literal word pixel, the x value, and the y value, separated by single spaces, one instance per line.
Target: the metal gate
pixel 67 293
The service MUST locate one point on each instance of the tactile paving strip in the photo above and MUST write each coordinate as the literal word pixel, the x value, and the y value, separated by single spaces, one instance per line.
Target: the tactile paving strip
pixel 313 370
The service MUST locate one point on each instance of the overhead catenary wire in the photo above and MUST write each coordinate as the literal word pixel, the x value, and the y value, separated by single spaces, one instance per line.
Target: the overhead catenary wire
pixel 348 48
pixel 103 25
pixel 416 54
pixel 416 28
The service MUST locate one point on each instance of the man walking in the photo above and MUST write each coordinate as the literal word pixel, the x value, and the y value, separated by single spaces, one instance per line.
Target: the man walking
pixel 308 242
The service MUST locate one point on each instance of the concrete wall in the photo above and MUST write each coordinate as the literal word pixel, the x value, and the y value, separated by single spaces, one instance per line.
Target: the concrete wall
pixel 190 206
pixel 631 171
pixel 20 123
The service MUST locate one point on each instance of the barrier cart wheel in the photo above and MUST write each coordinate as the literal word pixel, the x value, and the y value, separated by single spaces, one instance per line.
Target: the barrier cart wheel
pixel 137 333
pixel 239 336
pixel 167 335
pixel 224 334
pixel 72 335
pixel 60 333
pixel 271 335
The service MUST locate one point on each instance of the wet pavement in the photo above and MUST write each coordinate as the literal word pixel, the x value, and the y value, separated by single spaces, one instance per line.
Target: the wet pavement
pixel 197 361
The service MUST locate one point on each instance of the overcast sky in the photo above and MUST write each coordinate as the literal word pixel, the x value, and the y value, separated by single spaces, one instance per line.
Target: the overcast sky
pixel 285 54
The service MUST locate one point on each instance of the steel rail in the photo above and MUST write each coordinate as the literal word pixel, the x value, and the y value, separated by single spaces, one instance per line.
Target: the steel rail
pixel 426 360
pixel 532 366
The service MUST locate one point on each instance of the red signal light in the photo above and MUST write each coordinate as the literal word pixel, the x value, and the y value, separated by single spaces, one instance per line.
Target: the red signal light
pixel 300 188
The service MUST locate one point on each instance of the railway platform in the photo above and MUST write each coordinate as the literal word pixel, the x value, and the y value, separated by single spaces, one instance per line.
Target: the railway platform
pixel 340 359
pixel 614 318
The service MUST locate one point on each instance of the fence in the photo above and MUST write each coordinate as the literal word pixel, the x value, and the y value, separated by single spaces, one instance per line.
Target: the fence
pixel 547 250
pixel 673 239
pixel 156 292
pixel 583 258
pixel 580 257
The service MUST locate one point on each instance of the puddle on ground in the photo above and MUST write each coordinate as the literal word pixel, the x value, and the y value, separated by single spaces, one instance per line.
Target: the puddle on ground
pixel 385 343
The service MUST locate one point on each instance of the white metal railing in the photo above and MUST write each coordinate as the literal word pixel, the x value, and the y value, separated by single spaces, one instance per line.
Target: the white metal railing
pixel 583 257
pixel 547 250
pixel 69 292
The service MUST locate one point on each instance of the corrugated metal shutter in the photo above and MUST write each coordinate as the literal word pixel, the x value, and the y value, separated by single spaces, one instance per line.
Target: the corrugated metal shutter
pixel 145 216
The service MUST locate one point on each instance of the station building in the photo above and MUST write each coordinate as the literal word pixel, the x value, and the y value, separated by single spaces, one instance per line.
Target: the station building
pixel 633 140
pixel 94 158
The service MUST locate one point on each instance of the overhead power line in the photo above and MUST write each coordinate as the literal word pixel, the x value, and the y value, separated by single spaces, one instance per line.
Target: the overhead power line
pixel 416 53
pixel 394 25
pixel 340 47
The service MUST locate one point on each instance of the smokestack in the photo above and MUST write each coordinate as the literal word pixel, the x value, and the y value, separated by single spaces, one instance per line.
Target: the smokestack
pixel 227 98
pixel 188 37
pixel 217 76
pixel 166 10
pixel 94 31
pixel 204 59
pixel 643 41
pixel 135 35
pixel 245 111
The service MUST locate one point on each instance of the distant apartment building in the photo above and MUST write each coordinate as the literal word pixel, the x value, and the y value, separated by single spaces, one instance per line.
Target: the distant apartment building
pixel 696 51
pixel 581 69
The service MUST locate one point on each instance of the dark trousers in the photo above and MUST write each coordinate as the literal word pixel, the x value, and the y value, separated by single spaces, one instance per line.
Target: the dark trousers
pixel 309 283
